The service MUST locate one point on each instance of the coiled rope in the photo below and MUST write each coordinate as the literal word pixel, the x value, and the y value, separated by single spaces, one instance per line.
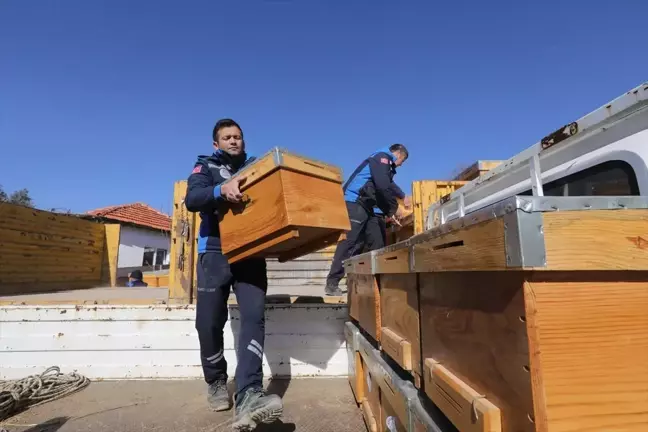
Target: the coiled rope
pixel 18 395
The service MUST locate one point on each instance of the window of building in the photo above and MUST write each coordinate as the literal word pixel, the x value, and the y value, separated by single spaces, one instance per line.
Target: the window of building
pixel 160 256
pixel 149 255
pixel 612 178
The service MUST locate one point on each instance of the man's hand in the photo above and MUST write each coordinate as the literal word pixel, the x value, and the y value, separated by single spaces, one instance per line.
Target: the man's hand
pixel 399 213
pixel 231 191
pixel 407 202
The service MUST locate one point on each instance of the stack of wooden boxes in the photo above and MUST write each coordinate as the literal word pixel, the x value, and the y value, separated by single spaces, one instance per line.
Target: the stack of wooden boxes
pixel 528 315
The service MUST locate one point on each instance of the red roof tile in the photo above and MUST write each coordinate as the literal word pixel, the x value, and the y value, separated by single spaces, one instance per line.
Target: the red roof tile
pixel 138 213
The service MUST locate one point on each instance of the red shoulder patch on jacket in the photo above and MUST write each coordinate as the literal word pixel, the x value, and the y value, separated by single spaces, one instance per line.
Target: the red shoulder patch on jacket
pixel 197 169
pixel 384 160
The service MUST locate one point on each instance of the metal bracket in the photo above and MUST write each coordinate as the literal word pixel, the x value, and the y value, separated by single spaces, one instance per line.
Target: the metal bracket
pixel 524 239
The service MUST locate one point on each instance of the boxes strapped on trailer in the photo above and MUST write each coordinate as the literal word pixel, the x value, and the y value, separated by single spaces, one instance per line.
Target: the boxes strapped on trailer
pixel 292 206
pixel 502 290
pixel 363 293
pixel 399 307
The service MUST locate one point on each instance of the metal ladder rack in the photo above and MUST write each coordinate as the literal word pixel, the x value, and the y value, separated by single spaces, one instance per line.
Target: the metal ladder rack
pixel 564 145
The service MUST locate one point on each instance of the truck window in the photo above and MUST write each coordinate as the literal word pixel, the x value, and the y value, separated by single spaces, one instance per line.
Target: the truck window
pixel 611 178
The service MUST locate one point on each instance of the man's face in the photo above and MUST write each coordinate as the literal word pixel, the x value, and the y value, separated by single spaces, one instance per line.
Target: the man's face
pixel 230 140
pixel 400 158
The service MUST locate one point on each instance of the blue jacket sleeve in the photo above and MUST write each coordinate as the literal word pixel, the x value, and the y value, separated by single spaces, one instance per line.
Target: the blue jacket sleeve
pixel 398 192
pixel 380 169
pixel 202 194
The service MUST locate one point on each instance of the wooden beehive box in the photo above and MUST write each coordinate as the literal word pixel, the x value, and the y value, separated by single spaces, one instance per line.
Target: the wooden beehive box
pixel 400 335
pixel 363 294
pixel 534 315
pixel 292 206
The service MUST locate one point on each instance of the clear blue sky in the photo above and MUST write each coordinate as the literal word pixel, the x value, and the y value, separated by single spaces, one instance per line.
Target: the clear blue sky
pixel 109 102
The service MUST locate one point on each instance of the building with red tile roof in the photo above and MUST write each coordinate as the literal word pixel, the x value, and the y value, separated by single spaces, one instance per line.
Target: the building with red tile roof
pixel 137 214
pixel 144 238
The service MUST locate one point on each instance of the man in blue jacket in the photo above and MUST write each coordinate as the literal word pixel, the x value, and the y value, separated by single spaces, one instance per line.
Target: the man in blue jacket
pixel 371 185
pixel 207 195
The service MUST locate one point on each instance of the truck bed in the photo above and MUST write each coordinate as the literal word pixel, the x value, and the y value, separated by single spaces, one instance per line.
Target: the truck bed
pixel 310 405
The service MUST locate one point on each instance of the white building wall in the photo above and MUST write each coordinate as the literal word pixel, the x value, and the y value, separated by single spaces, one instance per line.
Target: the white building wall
pixel 133 241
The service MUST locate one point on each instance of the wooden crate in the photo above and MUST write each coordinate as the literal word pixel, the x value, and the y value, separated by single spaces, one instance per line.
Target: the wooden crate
pixel 535 319
pixel 292 206
pixel 363 294
pixel 371 403
pixel 426 192
pixel 399 306
pixel 477 169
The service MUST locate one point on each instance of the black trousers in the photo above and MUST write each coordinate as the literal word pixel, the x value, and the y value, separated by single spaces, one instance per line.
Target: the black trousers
pixel 367 233
pixel 215 277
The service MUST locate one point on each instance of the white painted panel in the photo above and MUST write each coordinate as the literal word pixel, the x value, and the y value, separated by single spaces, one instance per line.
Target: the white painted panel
pixel 120 342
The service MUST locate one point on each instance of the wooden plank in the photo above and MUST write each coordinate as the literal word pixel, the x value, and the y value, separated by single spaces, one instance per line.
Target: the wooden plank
pixel 28 271
pixel 260 245
pixel 477 247
pixel 47 257
pixel 589 340
pixel 312 202
pixel 398 348
pixel 28 217
pixel 366 303
pixel 356 381
pixel 400 314
pixel 473 323
pixel 183 245
pixel 263 214
pixel 47 239
pixel 596 240
pixel 319 170
pixel 396 261
pixel 466 408
pixel 50 249
pixel 110 254
pixel 328 239
pixel 85 230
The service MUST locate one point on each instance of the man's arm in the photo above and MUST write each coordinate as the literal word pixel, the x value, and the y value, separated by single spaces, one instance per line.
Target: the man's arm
pixel 398 192
pixel 202 195
pixel 380 169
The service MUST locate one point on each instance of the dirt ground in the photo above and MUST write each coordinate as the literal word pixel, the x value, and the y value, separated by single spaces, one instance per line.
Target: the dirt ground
pixel 310 405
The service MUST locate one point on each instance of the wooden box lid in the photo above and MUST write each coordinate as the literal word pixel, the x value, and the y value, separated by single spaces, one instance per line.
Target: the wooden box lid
pixel 278 158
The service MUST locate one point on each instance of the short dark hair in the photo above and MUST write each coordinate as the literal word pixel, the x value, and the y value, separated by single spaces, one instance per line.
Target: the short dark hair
pixel 399 148
pixel 223 123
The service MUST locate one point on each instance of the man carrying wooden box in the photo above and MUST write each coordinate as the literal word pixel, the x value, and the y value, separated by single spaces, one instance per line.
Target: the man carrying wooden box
pixel 215 276
pixel 371 185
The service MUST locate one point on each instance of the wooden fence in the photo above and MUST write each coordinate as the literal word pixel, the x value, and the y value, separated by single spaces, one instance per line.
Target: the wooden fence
pixel 42 251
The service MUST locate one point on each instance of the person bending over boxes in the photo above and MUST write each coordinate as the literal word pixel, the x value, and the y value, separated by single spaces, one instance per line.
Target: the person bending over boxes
pixel 215 276
pixel 370 185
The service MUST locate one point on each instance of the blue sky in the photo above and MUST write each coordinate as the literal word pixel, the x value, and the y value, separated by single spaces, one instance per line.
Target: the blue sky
pixel 110 102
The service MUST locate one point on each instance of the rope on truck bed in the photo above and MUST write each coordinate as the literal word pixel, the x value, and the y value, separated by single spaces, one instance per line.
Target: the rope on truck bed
pixel 17 395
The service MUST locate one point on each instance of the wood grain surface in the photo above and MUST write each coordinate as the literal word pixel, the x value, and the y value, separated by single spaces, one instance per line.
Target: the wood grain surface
pixel 590 354
pixel 397 261
pixel 468 410
pixel 473 323
pixel 477 247
pixel 596 240
pixel 400 315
